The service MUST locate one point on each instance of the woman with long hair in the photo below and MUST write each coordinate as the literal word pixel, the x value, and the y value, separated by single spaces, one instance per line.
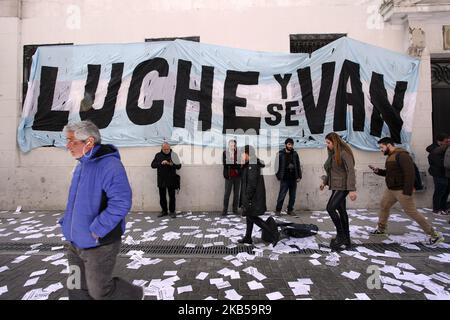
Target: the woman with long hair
pixel 340 178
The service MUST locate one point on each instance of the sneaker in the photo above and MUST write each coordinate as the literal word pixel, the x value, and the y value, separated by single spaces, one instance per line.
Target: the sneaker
pixel 435 239
pixel 162 214
pixel 378 232
pixel 278 213
pixel 441 213
pixel 291 212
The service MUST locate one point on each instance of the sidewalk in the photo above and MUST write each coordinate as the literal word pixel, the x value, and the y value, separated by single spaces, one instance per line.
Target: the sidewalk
pixel 170 257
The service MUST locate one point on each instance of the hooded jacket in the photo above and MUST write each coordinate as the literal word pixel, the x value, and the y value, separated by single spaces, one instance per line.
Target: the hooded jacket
pixel 99 199
pixel 436 154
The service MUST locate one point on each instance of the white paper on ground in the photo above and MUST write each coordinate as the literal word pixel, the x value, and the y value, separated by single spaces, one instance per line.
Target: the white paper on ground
pixel 202 276
pixel 255 285
pixel 184 289
pixel 31 282
pixel 140 283
pixel 3 290
pixel 170 273
pixel 222 285
pixel 54 257
pixel 38 273
pixel 180 261
pixel 254 272
pixel 54 287
pixel 315 262
pixel 351 275
pixel 215 280
pixel 4 268
pixel 36 294
pixel 393 289
pixel 274 296
pixel 236 263
pixel 232 295
pixel 362 296
pixel 412 286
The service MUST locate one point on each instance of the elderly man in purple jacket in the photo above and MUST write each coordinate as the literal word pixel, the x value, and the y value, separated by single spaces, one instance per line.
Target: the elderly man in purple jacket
pixel 94 220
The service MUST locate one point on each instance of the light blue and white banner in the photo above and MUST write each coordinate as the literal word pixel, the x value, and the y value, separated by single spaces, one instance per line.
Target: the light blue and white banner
pixel 183 92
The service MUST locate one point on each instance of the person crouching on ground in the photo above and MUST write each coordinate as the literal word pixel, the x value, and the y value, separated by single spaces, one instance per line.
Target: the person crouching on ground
pixel 253 195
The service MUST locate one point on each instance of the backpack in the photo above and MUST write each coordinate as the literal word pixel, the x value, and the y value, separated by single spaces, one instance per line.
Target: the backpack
pixel 297 230
pixel 273 234
pixel 447 158
pixel 418 184
pixel 177 183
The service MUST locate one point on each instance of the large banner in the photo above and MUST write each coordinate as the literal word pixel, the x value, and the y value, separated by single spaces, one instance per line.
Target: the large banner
pixel 183 92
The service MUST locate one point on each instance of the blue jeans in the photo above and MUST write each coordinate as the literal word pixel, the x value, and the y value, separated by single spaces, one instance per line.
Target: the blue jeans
pixel 441 193
pixel 286 185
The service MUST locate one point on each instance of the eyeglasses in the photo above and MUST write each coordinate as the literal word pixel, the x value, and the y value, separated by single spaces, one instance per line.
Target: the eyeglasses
pixel 74 141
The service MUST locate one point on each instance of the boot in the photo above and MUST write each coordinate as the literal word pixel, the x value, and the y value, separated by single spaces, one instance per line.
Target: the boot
pixel 162 214
pixel 246 240
pixel 339 243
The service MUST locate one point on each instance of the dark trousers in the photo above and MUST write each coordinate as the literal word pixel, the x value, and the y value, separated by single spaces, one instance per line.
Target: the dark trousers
pixel 441 193
pixel 163 199
pixel 286 185
pixel 96 266
pixel 251 220
pixel 231 183
pixel 337 209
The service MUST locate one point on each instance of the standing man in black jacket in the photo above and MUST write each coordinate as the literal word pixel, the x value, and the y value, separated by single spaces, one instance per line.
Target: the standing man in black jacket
pixel 167 163
pixel 437 171
pixel 231 173
pixel 289 174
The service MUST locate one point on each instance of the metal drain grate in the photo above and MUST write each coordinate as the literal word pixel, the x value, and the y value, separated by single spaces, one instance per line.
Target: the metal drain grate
pixel 151 249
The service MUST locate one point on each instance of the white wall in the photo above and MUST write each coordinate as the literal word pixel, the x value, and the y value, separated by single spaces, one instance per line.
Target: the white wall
pixel 40 179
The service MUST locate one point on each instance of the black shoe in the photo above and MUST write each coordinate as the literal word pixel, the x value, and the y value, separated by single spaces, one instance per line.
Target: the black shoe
pixel 338 244
pixel 235 212
pixel 246 240
pixel 173 215
pixel 291 213
pixel 162 214
pixel 224 213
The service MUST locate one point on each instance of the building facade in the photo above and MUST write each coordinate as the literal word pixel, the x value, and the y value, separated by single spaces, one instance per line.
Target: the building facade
pixel 40 179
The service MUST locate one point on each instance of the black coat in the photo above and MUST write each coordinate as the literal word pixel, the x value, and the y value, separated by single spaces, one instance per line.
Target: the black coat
pixel 436 161
pixel 166 173
pixel 282 165
pixel 253 191
pixel 228 164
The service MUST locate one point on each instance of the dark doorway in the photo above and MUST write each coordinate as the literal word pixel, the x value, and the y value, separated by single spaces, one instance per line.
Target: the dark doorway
pixel 310 42
pixel 440 93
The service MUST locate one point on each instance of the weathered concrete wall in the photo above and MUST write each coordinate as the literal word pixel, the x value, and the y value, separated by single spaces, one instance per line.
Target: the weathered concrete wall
pixel 40 179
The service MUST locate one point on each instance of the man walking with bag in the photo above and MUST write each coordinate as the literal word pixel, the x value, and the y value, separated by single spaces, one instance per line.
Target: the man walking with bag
pixel 400 176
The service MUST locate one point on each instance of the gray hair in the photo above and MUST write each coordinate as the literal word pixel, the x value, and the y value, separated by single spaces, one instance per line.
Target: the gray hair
pixel 83 130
